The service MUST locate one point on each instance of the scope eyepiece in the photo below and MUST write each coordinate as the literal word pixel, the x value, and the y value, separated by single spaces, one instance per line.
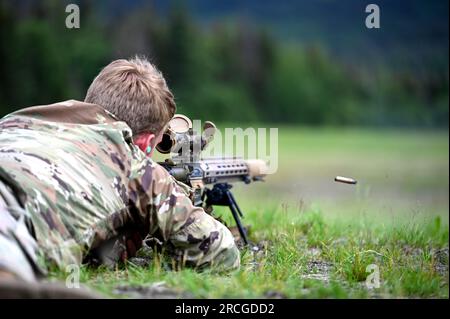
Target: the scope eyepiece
pixel 180 137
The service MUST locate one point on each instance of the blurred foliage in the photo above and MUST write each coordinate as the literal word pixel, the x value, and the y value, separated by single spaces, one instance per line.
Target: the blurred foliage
pixel 231 71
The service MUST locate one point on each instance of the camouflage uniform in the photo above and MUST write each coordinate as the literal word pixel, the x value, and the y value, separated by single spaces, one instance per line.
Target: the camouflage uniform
pixel 82 185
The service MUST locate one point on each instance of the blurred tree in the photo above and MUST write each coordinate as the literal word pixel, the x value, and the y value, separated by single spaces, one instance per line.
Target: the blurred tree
pixel 7 50
pixel 180 53
pixel 231 72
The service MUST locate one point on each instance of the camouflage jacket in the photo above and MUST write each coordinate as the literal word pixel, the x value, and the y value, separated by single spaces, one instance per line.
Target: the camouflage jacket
pixel 83 182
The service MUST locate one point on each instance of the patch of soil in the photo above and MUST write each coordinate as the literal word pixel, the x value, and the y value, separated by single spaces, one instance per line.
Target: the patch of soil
pixel 318 270
pixel 258 252
pixel 273 294
pixel 412 251
pixel 441 261
pixel 157 290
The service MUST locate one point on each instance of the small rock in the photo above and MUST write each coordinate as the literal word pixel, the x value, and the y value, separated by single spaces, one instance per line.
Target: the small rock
pixel 255 248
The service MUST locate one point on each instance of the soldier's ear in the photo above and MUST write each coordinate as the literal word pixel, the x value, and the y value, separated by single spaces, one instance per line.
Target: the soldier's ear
pixel 144 140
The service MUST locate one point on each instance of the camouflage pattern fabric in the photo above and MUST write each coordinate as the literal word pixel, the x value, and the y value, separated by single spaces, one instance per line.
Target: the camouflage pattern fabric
pixel 18 249
pixel 82 183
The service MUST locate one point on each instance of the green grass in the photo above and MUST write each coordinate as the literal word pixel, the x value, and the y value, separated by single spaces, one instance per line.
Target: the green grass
pixel 405 255
pixel 318 237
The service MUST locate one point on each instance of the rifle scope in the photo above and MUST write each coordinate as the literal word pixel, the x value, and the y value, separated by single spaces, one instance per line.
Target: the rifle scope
pixel 180 136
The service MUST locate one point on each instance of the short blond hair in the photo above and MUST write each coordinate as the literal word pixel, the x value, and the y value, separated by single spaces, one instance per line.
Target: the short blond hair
pixel 135 92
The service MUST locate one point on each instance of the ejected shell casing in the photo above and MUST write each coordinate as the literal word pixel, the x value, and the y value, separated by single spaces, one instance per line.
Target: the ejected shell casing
pixel 346 180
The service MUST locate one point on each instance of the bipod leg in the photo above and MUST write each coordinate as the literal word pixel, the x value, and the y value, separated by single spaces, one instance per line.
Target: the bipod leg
pixel 236 212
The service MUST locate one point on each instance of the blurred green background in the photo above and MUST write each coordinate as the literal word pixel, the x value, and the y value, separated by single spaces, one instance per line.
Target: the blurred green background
pixel 369 103
pixel 309 62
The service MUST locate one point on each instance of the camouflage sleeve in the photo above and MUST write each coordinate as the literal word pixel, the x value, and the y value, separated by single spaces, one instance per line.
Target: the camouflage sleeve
pixel 197 238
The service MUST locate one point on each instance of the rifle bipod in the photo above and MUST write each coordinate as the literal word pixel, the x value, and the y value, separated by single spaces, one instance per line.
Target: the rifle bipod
pixel 221 195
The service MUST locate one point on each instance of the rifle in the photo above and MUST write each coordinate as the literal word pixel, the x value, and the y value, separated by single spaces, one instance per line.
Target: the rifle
pixel 210 178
